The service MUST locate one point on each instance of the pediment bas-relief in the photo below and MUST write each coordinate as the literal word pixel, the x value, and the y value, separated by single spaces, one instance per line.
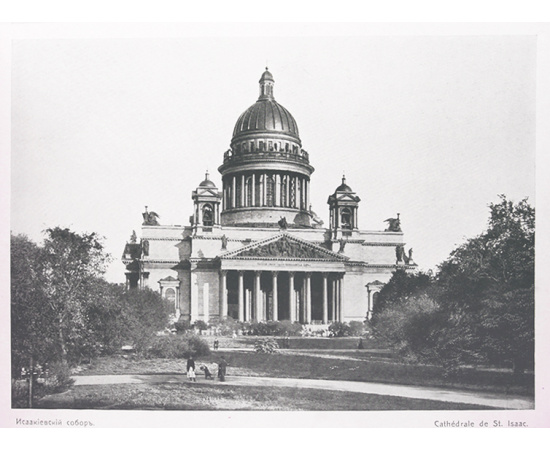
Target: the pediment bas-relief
pixel 286 248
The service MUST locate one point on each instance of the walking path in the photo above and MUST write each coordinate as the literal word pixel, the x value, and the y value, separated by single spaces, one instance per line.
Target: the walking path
pixel 500 401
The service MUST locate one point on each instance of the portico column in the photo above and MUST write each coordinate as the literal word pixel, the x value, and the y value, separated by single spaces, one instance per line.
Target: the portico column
pixel 333 298
pixel 308 297
pixel 223 296
pixel 325 299
pixel 241 296
pixel 291 300
pixel 341 298
pixel 275 299
pixel 257 296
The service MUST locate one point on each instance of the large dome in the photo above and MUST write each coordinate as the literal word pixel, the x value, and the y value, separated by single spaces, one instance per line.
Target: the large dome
pixel 266 115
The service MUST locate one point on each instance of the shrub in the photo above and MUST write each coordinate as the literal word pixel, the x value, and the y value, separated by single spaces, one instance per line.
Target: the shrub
pixel 182 326
pixel 357 328
pixel 174 346
pixel 266 346
pixel 57 379
pixel 339 329
pixel 200 325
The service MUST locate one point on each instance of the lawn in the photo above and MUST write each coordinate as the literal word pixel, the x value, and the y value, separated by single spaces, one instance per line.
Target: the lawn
pixel 187 396
pixel 353 366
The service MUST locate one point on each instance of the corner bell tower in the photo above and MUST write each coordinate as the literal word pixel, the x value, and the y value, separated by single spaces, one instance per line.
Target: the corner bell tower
pixel 343 207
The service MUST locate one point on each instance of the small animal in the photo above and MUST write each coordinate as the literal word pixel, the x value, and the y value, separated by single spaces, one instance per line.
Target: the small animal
pixel 207 374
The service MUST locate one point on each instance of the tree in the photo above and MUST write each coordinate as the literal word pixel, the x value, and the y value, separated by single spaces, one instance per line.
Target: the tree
pixel 31 324
pixel 479 307
pixel 508 328
pixel 71 263
pixel 499 260
pixel 401 286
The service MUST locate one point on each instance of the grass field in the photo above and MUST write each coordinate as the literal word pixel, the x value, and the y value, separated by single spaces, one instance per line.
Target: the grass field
pixel 354 366
pixel 187 396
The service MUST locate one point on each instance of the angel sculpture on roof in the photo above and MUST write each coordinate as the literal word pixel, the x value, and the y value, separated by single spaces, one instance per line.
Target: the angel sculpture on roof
pixel 150 217
pixel 393 224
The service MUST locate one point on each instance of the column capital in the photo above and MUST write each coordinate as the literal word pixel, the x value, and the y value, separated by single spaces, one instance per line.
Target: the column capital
pixel 291 273
pixel 325 275
pixel 275 273
pixel 223 272
pixel 241 272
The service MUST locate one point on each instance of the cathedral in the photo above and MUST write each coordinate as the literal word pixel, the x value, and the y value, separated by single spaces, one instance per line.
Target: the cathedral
pixel 254 250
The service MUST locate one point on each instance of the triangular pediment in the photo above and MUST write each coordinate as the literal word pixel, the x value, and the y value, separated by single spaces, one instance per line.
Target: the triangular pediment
pixel 347 197
pixel 284 246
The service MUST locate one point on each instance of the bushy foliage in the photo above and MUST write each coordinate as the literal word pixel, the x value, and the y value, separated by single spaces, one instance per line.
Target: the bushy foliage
pixel 339 329
pixel 357 328
pixel 200 325
pixel 272 328
pixel 480 306
pixel 507 327
pixel 174 346
pixel 266 346
pixel 57 379
pixel 182 325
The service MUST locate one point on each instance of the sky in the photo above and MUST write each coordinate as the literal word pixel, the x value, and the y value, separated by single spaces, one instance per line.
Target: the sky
pixel 433 127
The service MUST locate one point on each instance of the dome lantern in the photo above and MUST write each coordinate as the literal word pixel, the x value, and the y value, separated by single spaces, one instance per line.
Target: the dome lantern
pixel 266 86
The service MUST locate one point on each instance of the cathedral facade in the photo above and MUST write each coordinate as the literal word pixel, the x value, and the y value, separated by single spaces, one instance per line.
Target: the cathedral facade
pixel 254 250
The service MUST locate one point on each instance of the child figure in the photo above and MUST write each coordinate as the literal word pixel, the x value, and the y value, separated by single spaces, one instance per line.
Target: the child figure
pixel 191 374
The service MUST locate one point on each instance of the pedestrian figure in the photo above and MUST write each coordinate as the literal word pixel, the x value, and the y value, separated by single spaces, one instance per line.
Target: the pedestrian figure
pixel 360 346
pixel 216 344
pixel 191 368
pixel 222 367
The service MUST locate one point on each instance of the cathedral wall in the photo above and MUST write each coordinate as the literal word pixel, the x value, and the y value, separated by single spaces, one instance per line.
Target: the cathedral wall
pixel 355 296
pixel 163 250
pixel 208 289
pixel 185 292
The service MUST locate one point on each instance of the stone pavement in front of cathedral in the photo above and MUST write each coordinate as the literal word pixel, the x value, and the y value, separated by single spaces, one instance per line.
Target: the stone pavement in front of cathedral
pixel 492 400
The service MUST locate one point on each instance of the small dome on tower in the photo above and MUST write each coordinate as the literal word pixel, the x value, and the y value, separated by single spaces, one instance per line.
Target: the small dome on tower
pixel 267 76
pixel 343 187
pixel 207 182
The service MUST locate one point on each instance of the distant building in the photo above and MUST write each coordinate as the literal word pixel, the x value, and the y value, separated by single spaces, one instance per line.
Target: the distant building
pixel 255 250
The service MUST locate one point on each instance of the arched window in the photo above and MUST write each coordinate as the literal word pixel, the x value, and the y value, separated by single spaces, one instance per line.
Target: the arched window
pixel 346 218
pixel 207 216
pixel 170 294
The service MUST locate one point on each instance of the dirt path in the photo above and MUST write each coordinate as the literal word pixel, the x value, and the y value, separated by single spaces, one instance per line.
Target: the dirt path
pixel 501 401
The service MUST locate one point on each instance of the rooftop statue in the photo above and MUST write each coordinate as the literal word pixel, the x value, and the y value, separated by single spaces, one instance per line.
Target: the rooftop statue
pixel 399 254
pixel 394 224
pixel 150 218
pixel 283 223
pixel 343 243
pixel 316 219
pixel 133 237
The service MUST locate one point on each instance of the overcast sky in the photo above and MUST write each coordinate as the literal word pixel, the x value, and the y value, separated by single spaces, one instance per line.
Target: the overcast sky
pixel 432 127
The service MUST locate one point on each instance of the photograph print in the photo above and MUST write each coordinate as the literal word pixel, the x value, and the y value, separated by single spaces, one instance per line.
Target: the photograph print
pixel 274 222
